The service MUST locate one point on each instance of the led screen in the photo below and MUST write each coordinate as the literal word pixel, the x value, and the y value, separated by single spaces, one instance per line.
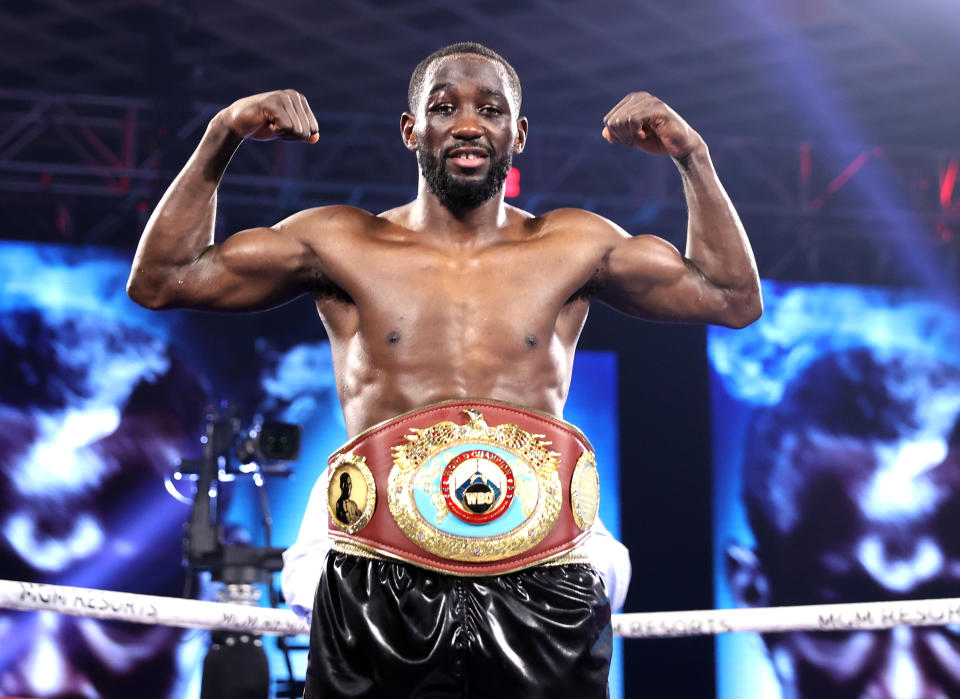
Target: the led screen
pixel 836 479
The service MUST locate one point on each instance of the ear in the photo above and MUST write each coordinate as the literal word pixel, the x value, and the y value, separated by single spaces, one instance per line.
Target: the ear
pixel 521 140
pixel 407 122
pixel 745 576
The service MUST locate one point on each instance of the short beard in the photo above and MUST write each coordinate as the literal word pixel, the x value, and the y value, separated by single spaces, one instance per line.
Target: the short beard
pixel 457 195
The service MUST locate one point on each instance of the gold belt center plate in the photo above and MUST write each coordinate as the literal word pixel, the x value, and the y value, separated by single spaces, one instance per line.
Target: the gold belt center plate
pixel 474 492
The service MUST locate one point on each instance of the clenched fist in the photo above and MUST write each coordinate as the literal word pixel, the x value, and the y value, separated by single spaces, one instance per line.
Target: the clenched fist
pixel 282 114
pixel 642 120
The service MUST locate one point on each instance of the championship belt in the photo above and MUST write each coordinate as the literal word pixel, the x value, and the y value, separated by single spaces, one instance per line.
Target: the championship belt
pixel 468 487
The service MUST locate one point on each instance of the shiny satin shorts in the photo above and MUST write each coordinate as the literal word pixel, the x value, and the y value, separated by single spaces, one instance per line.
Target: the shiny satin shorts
pixel 393 630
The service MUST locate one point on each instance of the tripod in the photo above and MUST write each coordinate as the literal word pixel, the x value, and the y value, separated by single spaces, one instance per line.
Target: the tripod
pixel 235 666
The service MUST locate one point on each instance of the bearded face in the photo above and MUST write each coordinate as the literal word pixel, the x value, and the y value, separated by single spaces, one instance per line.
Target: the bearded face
pixel 466 131
pixel 462 193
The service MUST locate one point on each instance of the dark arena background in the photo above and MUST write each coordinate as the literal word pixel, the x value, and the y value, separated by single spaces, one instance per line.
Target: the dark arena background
pixel 810 458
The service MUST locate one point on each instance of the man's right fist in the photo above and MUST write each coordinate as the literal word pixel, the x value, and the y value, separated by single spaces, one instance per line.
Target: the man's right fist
pixel 281 114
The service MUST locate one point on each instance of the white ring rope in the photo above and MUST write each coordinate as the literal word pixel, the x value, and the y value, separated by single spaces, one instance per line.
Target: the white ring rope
pixel 185 613
pixel 815 617
pixel 150 609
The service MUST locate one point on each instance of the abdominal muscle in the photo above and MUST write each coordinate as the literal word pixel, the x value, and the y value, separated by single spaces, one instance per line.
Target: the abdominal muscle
pixel 377 385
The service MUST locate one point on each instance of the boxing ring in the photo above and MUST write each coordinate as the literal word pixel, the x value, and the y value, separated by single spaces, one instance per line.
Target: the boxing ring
pixel 185 613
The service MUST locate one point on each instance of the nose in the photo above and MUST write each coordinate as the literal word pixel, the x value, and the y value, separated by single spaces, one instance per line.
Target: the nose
pixel 467 128
pixel 901 676
pixel 44 666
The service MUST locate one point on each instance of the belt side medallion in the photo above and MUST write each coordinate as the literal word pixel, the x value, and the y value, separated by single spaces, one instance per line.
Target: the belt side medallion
pixel 585 491
pixel 351 493
pixel 474 492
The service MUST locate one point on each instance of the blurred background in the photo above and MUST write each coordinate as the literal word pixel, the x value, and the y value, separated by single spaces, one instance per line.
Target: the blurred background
pixel 833 124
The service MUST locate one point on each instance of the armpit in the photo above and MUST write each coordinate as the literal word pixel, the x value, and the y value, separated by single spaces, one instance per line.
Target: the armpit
pixel 325 290
pixel 592 287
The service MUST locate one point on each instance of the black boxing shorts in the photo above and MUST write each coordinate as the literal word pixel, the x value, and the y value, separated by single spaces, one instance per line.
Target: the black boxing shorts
pixel 390 629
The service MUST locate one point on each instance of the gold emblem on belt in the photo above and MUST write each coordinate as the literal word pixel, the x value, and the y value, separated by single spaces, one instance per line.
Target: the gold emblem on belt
pixel 351 493
pixel 474 492
pixel 585 491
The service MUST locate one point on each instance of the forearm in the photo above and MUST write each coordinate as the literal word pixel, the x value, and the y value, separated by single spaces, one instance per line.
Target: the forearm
pixel 717 244
pixel 182 225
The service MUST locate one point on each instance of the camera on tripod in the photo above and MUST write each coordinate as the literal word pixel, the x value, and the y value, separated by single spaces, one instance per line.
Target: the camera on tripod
pixel 269 441
pixel 235 666
pixel 229 451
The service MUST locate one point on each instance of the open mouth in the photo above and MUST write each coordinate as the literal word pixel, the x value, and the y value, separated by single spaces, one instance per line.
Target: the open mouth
pixel 468 157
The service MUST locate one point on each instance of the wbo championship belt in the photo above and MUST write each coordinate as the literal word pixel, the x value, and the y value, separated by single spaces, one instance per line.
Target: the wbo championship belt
pixel 468 487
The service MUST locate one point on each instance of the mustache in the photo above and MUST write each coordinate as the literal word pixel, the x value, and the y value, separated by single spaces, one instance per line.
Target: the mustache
pixel 482 146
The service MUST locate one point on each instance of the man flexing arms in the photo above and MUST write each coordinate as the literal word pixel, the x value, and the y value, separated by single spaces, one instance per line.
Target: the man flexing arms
pixel 455 296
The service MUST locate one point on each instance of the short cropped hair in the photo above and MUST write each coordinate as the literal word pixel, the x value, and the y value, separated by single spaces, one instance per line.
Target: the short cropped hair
pixel 855 393
pixel 465 47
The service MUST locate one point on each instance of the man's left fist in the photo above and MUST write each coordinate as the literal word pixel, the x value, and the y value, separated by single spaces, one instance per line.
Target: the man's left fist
pixel 641 120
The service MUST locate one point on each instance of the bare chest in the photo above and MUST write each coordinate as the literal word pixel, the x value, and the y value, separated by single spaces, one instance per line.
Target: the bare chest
pixel 416 325
pixel 504 293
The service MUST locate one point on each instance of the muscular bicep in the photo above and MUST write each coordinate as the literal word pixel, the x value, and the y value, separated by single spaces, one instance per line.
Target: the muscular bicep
pixel 647 277
pixel 251 270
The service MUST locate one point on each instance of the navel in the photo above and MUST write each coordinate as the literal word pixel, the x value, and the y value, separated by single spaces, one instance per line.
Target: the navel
pixel 393 338
pixel 531 341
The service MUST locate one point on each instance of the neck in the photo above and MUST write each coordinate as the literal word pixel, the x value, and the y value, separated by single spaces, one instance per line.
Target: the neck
pixel 428 213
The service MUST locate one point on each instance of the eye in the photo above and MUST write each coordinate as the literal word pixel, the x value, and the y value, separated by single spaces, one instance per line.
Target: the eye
pixel 491 111
pixel 442 109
